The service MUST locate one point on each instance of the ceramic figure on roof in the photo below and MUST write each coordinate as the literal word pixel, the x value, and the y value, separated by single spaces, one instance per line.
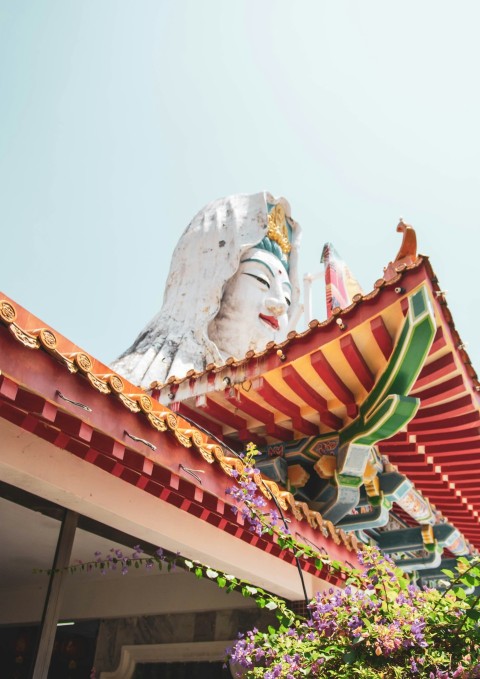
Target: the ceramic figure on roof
pixel 232 287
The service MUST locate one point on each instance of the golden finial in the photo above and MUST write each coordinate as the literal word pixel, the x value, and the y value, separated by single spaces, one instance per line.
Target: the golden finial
pixel 277 228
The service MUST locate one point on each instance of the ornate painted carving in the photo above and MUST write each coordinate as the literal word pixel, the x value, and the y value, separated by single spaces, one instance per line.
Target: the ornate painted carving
pixel 83 361
pixel 129 403
pixel 116 383
pixel 387 408
pixel 47 339
pixel 417 506
pixel 297 476
pixel 25 338
pixel 157 422
pixel 99 384
pixel 8 312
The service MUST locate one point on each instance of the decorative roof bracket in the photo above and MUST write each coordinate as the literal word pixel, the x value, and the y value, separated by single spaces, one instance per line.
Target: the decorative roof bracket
pixel 386 410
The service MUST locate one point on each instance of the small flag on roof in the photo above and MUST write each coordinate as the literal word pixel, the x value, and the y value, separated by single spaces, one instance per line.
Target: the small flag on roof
pixel 340 284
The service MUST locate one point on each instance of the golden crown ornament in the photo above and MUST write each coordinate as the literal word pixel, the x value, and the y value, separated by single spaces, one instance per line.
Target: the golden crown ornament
pixel 277 228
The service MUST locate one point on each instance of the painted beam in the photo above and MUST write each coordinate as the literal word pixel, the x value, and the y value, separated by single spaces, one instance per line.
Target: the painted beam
pixel 411 539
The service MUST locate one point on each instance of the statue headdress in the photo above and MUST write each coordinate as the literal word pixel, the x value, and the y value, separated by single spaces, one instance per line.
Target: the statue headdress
pixel 280 227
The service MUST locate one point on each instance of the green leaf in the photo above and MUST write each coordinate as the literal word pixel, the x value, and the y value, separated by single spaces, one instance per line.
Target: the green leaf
pixel 349 657
pixel 468 580
pixel 221 582
pixel 286 621
pixel 460 593
pixel 271 605
pixel 448 572
pixel 198 572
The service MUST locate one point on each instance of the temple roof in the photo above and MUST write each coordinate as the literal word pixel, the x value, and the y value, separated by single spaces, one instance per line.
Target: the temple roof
pixel 314 383
pixel 50 387
pixel 307 388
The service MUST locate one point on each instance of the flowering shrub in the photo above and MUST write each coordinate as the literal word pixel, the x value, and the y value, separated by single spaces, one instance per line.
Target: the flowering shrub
pixel 378 625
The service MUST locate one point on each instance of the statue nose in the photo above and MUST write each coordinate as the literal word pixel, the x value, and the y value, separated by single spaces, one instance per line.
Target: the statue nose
pixel 276 306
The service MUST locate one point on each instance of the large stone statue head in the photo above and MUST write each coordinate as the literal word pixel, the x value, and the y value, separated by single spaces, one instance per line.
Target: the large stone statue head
pixel 232 287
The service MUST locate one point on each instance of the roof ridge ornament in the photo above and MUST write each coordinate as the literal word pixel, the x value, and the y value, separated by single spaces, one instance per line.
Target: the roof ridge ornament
pixel 408 248
pixel 407 254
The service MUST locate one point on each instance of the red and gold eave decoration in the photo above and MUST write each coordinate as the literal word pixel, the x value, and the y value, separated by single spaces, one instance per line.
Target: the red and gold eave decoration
pixel 51 388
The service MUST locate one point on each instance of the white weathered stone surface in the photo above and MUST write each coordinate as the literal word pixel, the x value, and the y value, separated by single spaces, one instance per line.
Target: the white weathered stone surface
pixel 196 325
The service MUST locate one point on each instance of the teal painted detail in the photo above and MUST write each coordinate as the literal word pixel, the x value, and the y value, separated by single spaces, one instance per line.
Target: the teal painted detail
pixel 395 485
pixel 344 480
pixel 421 563
pixel 411 539
pixel 419 305
pixel 380 499
pixel 275 468
pixel 376 518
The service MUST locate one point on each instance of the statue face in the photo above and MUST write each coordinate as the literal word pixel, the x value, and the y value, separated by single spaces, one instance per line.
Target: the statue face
pixel 254 307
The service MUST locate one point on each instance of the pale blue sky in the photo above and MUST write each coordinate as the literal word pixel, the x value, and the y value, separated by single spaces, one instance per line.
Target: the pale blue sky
pixel 120 120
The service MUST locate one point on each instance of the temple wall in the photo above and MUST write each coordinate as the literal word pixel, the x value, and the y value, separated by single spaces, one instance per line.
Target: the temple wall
pixel 175 628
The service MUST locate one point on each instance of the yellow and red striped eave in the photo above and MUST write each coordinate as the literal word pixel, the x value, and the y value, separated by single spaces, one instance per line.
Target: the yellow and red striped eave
pixel 313 383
